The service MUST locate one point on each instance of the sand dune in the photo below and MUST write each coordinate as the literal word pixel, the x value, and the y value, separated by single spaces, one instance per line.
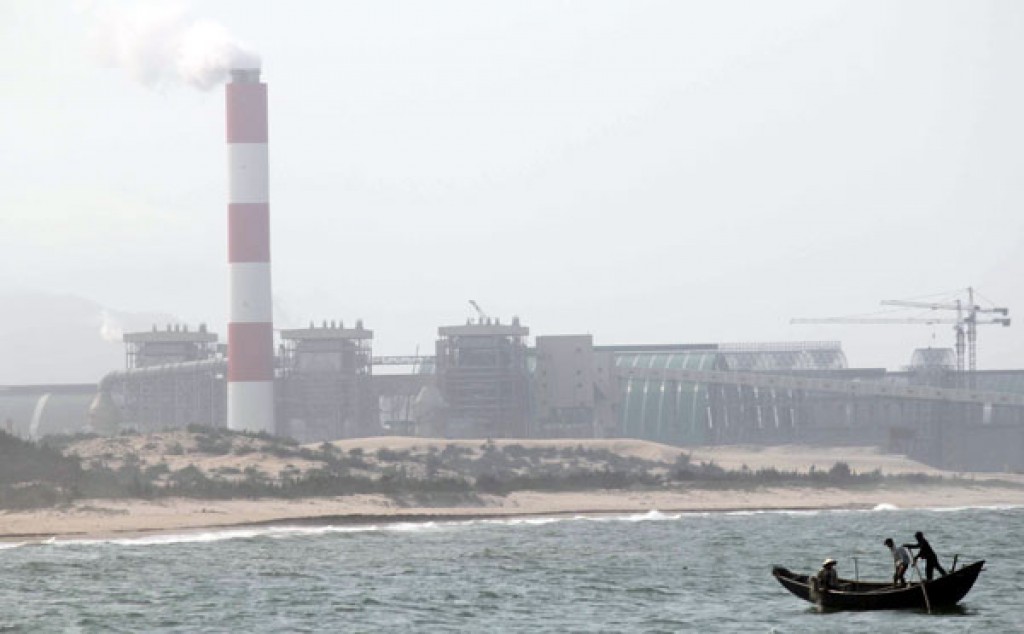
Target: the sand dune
pixel 98 518
pixel 783 457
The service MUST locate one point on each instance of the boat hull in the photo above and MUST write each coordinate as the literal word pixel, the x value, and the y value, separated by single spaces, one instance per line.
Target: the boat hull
pixel 943 592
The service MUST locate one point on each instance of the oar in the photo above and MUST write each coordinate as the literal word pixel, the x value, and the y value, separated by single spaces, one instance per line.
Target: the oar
pixel 927 603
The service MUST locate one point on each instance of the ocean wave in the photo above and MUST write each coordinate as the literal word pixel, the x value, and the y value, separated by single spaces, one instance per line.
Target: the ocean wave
pixel 165 538
pixel 516 521
pixel 885 506
pixel 208 536
pixel 979 507
pixel 412 527
pixel 285 531
pixel 654 515
pixel 795 512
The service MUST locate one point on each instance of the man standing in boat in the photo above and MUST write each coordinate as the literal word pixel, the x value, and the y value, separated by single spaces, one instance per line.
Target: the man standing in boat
pixel 901 561
pixel 924 551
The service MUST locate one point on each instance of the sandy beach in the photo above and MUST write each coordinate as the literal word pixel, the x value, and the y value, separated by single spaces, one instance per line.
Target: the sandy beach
pixel 106 518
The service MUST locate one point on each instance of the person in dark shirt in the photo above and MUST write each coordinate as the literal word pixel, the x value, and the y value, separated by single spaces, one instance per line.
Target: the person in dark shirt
pixel 828 578
pixel 924 551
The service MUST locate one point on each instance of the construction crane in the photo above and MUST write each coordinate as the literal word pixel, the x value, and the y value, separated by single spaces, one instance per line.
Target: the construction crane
pixel 479 311
pixel 958 326
pixel 966 323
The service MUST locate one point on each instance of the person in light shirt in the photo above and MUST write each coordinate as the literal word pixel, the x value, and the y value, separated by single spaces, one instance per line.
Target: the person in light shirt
pixel 900 560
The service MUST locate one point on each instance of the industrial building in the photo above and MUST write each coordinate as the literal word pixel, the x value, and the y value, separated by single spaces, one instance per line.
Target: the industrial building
pixel 323 383
pixel 486 380
pixel 482 375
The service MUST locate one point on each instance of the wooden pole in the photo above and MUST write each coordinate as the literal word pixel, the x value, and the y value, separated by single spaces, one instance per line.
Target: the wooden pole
pixel 927 603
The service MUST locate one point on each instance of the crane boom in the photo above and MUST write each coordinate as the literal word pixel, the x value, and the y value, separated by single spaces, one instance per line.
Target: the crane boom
pixel 479 311
pixel 871 320
pixel 965 323
pixel 932 305
pixel 893 320
pixel 943 306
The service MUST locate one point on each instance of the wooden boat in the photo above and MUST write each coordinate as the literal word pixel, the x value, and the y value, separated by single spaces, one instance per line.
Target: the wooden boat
pixel 943 592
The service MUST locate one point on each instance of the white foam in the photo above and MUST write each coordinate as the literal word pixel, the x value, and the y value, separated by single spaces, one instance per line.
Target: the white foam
pixel 518 521
pixel 653 515
pixel 273 532
pixel 412 527
pixel 281 532
pixel 541 521
pixel 801 512
pixel 743 513
pixel 166 539
pixel 286 531
pixel 980 507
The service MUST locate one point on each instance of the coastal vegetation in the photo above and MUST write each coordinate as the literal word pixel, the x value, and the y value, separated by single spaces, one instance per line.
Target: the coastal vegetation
pixel 210 463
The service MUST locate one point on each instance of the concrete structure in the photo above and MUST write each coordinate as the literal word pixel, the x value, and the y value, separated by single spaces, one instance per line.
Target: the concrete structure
pixel 483 378
pixel 564 379
pixel 175 344
pixel 250 375
pixel 575 391
pixel 325 390
pixel 172 378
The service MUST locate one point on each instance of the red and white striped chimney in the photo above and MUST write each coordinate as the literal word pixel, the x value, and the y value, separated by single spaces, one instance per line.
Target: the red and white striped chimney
pixel 250 322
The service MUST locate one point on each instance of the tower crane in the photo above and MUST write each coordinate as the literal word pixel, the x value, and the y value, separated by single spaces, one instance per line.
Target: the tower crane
pixel 958 326
pixel 966 323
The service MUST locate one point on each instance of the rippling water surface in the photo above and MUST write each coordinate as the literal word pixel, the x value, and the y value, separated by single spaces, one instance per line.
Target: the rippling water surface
pixel 644 573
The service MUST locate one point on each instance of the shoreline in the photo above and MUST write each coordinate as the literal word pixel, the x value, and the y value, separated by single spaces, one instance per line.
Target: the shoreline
pixel 125 519
pixel 120 518
pixel 412 518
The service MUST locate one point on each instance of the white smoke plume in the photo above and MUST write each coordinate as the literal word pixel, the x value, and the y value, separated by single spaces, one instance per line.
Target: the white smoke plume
pixel 110 327
pixel 160 43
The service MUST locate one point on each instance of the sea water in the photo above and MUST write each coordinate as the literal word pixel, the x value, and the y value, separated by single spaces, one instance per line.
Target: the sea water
pixel 650 572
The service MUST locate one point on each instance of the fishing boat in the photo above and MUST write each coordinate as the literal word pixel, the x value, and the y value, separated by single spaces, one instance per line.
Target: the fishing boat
pixel 943 592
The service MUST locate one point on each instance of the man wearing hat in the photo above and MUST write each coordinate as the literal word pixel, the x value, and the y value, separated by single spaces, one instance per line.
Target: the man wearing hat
pixel 828 578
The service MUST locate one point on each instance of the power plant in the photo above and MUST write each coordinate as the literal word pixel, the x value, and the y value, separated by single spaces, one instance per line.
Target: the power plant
pixel 486 379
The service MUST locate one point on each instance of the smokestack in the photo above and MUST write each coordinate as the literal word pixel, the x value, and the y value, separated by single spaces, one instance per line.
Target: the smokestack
pixel 250 321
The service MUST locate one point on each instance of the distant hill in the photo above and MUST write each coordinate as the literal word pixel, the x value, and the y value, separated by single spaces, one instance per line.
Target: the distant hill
pixel 62 338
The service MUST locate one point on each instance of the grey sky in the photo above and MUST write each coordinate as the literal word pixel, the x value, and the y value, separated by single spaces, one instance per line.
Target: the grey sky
pixel 642 171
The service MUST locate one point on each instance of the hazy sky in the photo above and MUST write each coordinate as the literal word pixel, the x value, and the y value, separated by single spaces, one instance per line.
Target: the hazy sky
pixel 642 171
